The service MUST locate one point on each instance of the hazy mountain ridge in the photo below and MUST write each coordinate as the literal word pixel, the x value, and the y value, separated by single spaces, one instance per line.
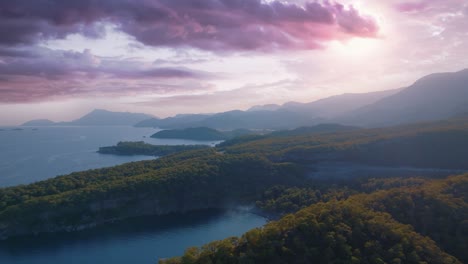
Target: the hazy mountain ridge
pixel 39 122
pixel 97 117
pixel 433 97
pixel 272 116
pixel 339 104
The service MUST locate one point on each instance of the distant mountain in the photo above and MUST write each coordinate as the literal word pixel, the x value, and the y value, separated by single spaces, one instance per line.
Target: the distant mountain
pixel 433 97
pixel 274 117
pixel 101 117
pixel 280 119
pixel 97 117
pixel 436 96
pixel 318 129
pixel 340 104
pixel 178 121
pixel 268 107
pixel 329 107
pixel 236 120
pixel 39 122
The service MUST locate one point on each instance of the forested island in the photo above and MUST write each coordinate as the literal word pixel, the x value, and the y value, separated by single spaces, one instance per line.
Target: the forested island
pixel 350 220
pixel 141 148
pixel 201 133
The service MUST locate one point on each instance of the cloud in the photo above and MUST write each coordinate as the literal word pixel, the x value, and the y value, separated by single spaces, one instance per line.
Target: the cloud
pixel 54 64
pixel 411 6
pixel 354 23
pixel 32 74
pixel 240 98
pixel 430 6
pixel 214 25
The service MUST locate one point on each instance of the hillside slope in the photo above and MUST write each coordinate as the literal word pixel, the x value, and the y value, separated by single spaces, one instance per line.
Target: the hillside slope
pixel 436 96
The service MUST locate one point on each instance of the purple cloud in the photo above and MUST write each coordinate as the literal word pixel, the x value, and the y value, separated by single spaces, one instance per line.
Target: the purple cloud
pixel 204 24
pixel 31 74
pixel 411 6
pixel 430 6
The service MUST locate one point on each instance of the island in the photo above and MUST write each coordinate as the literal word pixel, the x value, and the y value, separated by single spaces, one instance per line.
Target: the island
pixel 142 148
pixel 201 134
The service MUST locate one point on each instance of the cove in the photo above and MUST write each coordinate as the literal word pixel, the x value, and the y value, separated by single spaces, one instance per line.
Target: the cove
pixel 140 240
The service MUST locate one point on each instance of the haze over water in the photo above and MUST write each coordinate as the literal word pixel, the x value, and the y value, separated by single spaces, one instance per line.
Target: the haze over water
pixel 31 155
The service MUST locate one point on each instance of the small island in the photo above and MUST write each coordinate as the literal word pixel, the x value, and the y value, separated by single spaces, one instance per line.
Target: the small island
pixel 200 133
pixel 193 133
pixel 142 148
pixel 39 122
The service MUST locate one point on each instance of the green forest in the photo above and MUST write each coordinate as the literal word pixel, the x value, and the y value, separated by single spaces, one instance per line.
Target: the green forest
pixel 424 222
pixel 141 148
pixel 352 220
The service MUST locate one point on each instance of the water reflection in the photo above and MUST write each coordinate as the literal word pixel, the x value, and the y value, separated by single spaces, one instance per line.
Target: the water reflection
pixel 139 240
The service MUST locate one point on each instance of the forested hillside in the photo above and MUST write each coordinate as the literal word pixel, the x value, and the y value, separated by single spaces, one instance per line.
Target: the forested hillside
pixel 179 183
pixel 399 225
pixel 272 172
pixel 142 148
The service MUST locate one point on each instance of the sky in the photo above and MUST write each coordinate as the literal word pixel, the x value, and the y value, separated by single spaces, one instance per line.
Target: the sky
pixel 60 59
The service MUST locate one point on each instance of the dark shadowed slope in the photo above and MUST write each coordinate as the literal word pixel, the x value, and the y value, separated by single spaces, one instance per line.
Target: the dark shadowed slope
pixel 340 104
pixel 436 96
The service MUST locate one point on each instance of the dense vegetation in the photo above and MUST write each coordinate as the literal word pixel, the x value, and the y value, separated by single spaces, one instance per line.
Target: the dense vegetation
pixel 188 181
pixel 365 228
pixel 142 148
pixel 441 144
pixel 317 129
pixel 345 221
pixel 201 133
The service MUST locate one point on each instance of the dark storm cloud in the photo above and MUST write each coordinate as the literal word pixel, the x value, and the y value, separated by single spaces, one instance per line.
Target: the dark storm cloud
pixel 53 64
pixel 205 24
pixel 29 72
pixel 29 75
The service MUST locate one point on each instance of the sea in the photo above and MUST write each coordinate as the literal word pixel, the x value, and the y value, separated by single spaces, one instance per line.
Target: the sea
pixel 30 154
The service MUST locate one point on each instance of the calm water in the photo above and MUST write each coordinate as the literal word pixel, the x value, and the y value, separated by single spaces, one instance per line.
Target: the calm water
pixel 142 241
pixel 30 155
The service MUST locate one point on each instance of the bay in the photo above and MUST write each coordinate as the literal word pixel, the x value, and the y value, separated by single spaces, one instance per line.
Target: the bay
pixel 142 240
pixel 30 154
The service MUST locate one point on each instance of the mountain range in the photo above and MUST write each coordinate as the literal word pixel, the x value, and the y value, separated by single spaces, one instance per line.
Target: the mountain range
pixel 97 117
pixel 275 117
pixel 436 96
pixel 433 97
